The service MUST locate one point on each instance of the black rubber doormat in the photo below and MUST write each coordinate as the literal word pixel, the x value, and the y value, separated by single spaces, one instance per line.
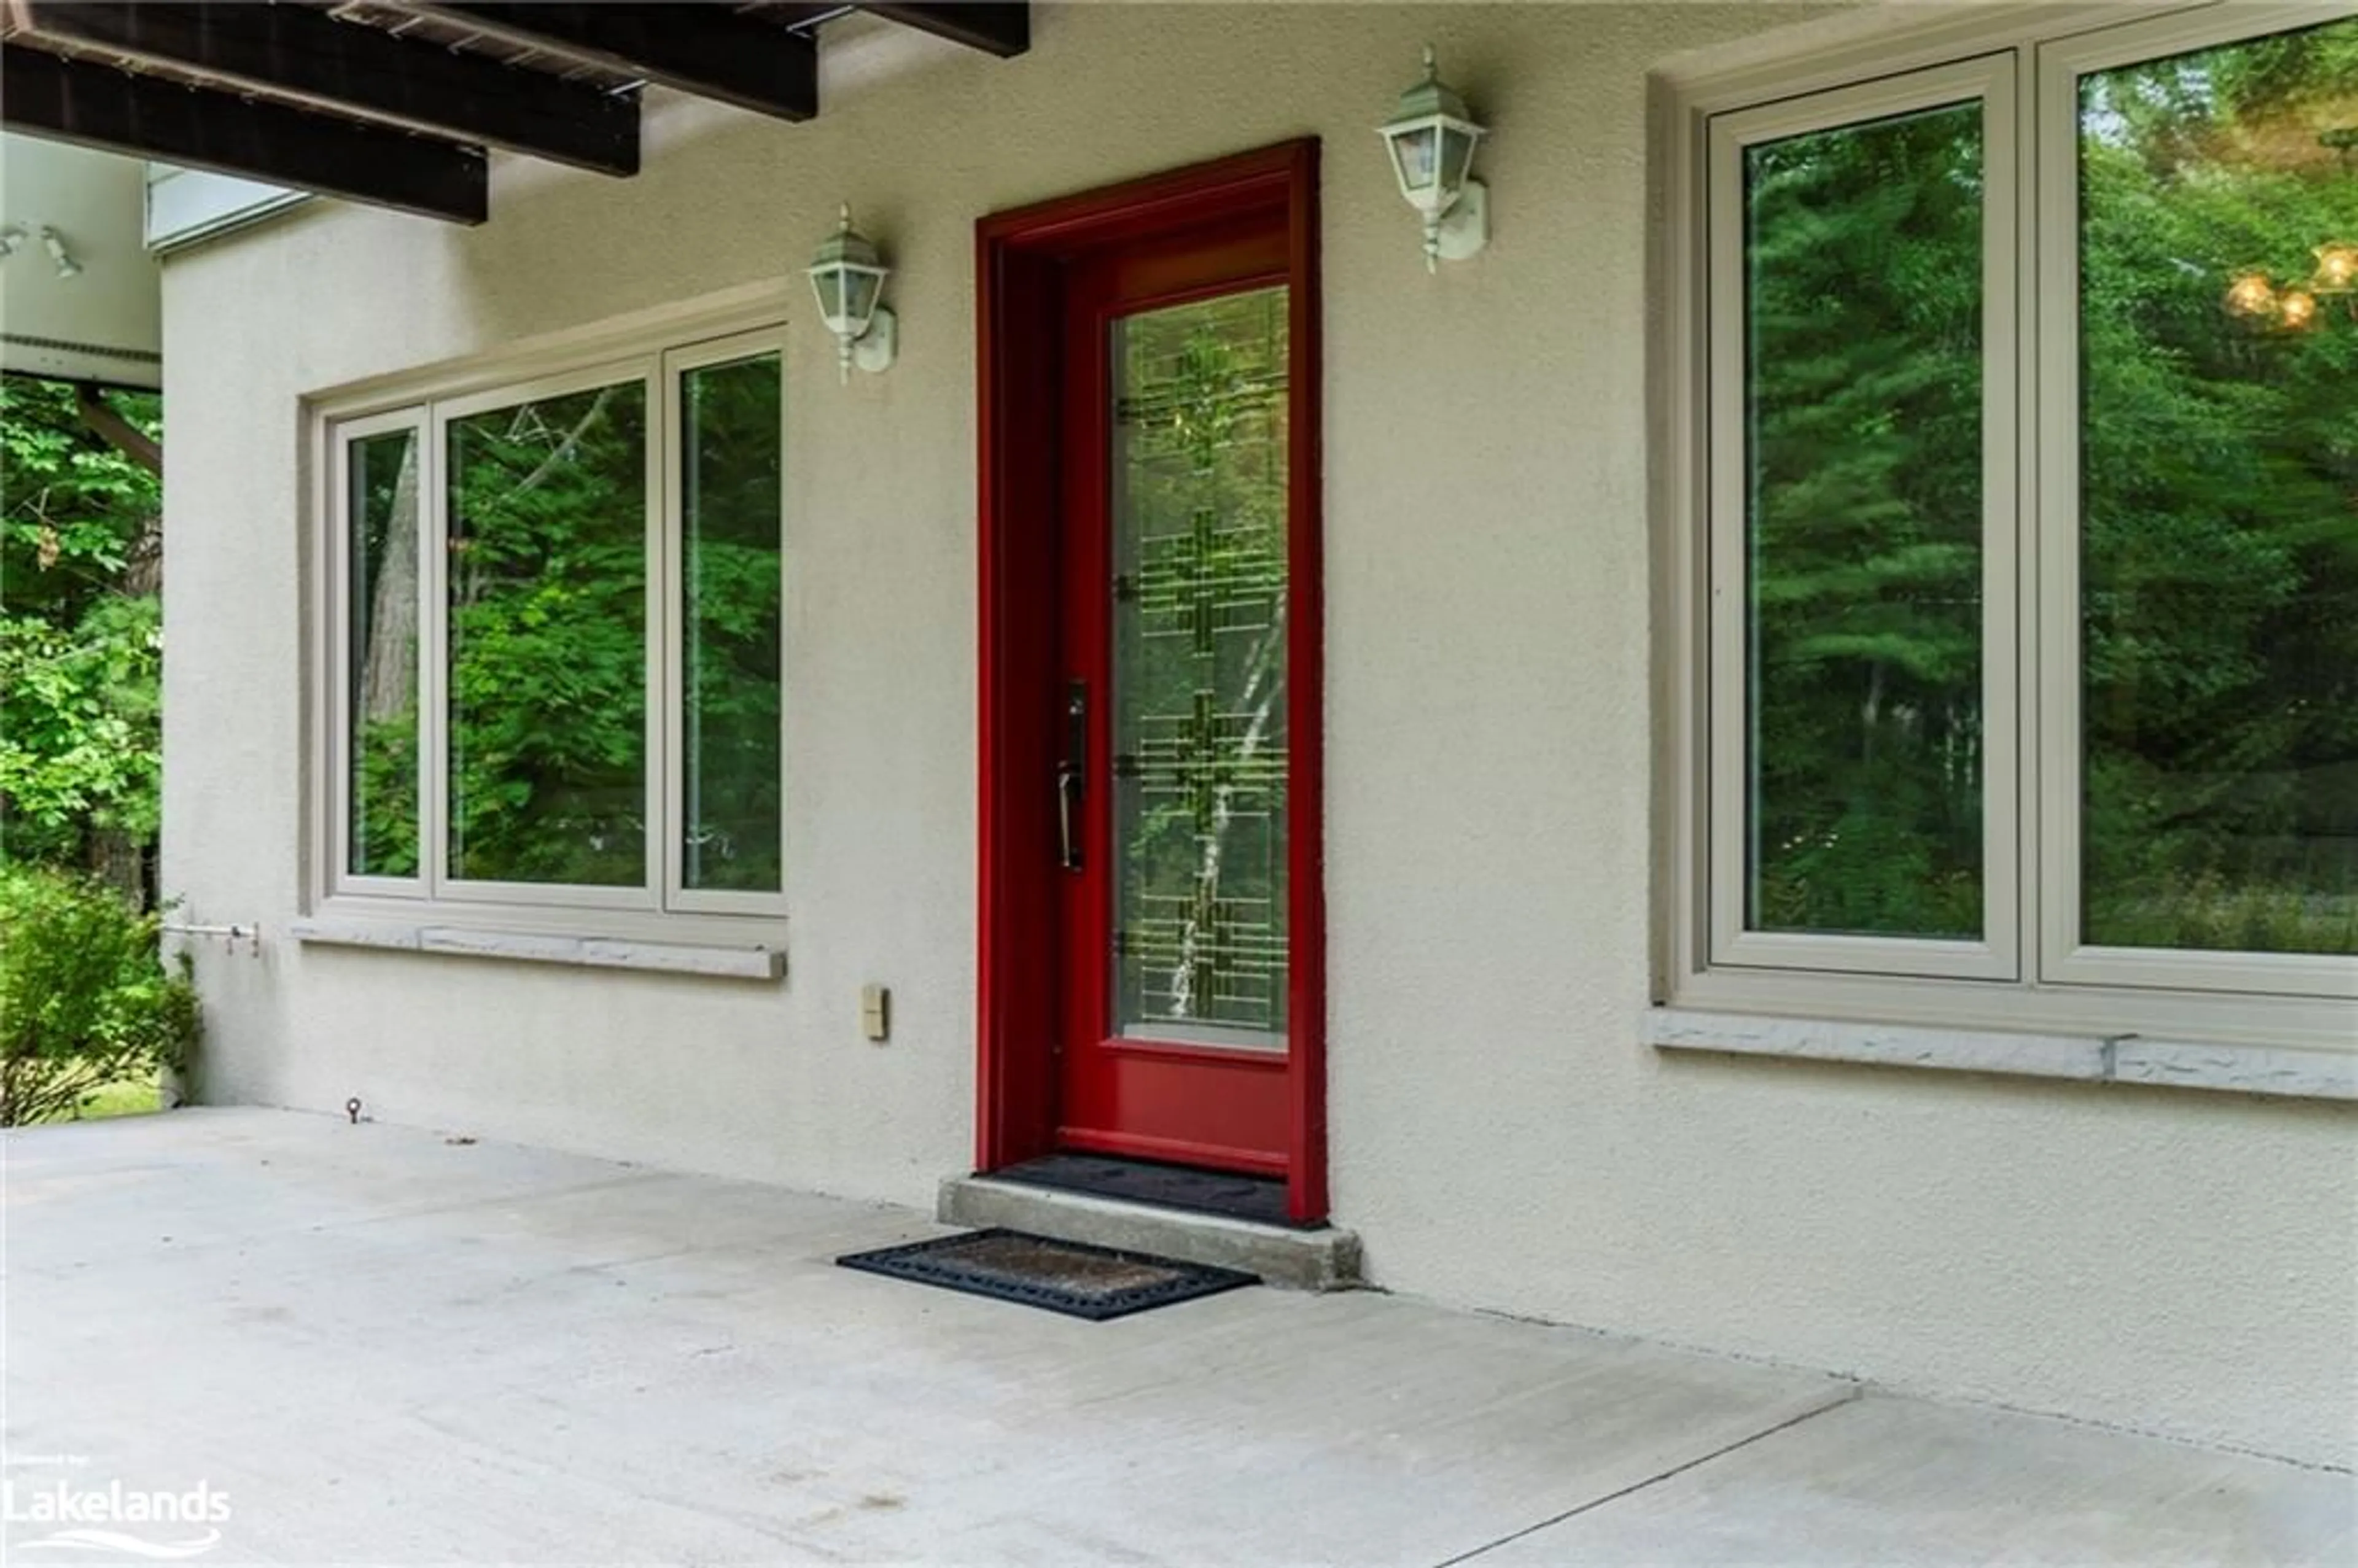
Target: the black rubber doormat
pixel 1094 1282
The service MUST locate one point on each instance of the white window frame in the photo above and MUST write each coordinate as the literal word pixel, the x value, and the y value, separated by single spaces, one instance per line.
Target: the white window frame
pixel 337 664
pixel 442 885
pixel 676 365
pixel 656 350
pixel 2066 957
pixel 1989 82
pixel 2030 974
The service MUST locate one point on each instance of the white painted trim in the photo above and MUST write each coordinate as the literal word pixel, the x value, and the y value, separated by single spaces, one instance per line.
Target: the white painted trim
pixel 2216 1017
pixel 743 309
pixel 338 615
pixel 1679 500
pixel 1882 40
pixel 1827 1040
pixel 591 952
pixel 186 205
pixel 2135 1059
pixel 434 646
pixel 643 924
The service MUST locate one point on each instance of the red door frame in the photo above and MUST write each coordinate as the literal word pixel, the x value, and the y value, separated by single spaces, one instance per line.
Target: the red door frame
pixel 1020 259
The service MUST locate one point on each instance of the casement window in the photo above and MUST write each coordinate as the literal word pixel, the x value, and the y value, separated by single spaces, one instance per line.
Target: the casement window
pixel 2013 526
pixel 553 639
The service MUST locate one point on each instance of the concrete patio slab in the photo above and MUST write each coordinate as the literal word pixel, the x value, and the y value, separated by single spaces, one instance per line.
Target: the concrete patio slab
pixel 1884 1480
pixel 387 1347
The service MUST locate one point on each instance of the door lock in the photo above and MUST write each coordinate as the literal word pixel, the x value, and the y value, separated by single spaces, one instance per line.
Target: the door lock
pixel 1071 773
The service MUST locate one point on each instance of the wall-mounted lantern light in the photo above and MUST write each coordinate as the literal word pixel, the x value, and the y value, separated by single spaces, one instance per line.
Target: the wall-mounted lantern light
pixel 2297 305
pixel 2337 268
pixel 2251 294
pixel 849 276
pixel 1431 136
pixel 60 257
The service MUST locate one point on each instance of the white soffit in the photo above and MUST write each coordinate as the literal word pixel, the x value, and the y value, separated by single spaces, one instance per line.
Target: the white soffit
pixel 81 298
pixel 185 205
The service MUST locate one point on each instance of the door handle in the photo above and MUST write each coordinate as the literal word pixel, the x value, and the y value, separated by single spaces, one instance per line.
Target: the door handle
pixel 1070 773
pixel 1068 804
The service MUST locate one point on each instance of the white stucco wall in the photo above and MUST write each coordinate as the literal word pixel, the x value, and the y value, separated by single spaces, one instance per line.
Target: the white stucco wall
pixel 1502 1137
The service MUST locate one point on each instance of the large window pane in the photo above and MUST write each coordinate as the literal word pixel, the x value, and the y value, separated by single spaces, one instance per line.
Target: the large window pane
pixel 548 650
pixel 1863 408
pixel 381 695
pixel 1199 608
pixel 2219 499
pixel 730 560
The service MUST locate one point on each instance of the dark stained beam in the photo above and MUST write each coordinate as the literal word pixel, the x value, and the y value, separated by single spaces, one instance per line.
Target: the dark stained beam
pixel 706 50
pixel 101 418
pixel 999 30
pixel 342 68
pixel 802 18
pixel 98 106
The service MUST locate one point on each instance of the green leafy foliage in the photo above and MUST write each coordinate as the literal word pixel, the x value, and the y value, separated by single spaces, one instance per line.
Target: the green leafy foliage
pixel 82 718
pixel 86 1000
pixel 80 635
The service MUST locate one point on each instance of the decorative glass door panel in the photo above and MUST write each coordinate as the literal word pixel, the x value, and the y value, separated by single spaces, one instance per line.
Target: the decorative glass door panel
pixel 1197 512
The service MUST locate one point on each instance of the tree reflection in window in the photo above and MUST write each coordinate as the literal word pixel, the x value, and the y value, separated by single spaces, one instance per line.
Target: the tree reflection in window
pixel 730 554
pixel 381 831
pixel 1863 386
pixel 548 651
pixel 2219 505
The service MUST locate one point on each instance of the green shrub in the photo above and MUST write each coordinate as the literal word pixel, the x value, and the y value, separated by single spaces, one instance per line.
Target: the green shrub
pixel 86 999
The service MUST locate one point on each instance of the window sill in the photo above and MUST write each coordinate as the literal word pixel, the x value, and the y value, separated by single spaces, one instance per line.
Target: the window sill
pixel 539 948
pixel 2119 1059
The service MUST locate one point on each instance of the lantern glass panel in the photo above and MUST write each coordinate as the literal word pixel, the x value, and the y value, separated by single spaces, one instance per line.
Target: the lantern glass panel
pixel 1413 156
pixel 1456 154
pixel 859 291
pixel 828 284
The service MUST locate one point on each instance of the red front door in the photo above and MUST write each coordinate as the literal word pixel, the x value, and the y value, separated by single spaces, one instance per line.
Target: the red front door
pixel 1173 769
pixel 1151 974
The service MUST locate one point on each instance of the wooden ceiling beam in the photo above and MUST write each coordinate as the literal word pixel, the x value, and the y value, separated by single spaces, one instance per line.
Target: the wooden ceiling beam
pixel 803 18
pixel 340 68
pixel 43 95
pixel 706 50
pixel 994 29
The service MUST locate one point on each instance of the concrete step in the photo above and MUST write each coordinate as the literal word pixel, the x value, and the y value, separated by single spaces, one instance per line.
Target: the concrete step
pixel 1322 1259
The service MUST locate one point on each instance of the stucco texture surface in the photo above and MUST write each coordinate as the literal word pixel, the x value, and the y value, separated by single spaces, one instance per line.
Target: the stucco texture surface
pixel 2185 1264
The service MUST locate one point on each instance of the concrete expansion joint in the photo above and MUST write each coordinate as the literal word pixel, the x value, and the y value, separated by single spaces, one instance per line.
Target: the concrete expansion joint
pixel 1846 1394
